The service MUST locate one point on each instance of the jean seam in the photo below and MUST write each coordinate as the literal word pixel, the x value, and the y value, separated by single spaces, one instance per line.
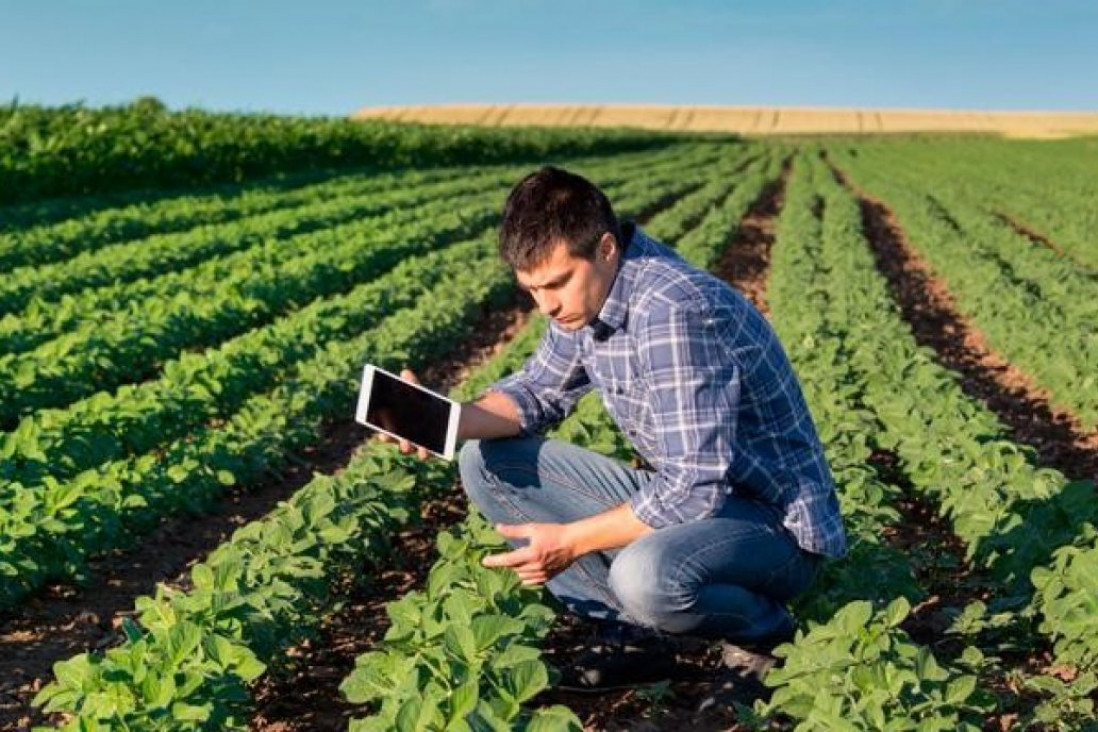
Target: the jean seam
pixel 556 477
pixel 689 559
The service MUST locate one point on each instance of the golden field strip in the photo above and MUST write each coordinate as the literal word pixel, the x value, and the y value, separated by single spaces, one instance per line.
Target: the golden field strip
pixel 750 120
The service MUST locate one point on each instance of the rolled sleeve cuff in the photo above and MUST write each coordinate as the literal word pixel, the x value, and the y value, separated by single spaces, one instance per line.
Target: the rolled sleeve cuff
pixel 646 513
pixel 529 411
pixel 653 512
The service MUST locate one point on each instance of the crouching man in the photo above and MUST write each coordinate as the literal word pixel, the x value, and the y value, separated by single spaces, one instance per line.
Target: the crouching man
pixel 738 508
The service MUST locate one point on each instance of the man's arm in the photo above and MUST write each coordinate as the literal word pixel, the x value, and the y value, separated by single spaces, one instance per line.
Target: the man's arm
pixel 493 415
pixel 545 390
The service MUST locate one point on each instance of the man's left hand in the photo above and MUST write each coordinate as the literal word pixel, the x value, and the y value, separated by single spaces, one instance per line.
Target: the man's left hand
pixel 548 552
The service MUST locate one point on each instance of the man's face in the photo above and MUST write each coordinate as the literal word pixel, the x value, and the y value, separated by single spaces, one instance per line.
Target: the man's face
pixel 571 290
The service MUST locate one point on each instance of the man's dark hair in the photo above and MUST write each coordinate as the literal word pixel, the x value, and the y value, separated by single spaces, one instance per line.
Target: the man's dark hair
pixel 552 205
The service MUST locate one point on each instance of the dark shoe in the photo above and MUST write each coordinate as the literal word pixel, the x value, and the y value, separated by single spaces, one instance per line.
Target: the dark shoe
pixel 608 664
pixel 743 670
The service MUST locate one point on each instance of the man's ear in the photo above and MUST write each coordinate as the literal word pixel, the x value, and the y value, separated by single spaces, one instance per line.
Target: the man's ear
pixel 607 246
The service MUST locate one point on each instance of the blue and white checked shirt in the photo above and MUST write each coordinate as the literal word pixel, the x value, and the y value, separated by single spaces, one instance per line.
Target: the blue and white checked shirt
pixel 697 379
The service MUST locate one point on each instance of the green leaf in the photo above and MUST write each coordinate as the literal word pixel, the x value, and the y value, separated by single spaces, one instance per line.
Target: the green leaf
pixel 525 680
pixel 182 641
pixel 897 611
pixel 460 642
pixel 557 718
pixel 158 692
pixel 488 629
pixel 960 689
pixel 184 712
pixel 463 700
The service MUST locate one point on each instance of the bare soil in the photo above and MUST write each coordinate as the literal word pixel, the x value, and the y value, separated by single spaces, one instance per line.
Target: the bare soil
pixel 747 260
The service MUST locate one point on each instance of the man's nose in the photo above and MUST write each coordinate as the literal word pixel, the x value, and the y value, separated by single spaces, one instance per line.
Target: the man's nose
pixel 548 304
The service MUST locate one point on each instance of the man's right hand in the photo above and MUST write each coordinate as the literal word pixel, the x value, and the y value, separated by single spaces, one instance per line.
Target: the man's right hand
pixel 406 447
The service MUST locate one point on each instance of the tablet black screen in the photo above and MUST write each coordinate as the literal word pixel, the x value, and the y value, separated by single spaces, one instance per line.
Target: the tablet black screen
pixel 408 412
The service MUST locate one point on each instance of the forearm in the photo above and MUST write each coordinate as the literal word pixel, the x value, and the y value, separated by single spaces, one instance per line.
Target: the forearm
pixel 608 530
pixel 493 415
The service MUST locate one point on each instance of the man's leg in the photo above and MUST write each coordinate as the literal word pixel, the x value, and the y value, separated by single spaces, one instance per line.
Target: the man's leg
pixel 725 577
pixel 533 479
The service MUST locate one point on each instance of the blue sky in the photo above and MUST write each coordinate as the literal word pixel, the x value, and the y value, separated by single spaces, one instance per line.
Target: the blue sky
pixel 335 56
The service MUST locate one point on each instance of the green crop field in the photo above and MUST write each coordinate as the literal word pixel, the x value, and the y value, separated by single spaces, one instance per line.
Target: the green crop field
pixel 190 521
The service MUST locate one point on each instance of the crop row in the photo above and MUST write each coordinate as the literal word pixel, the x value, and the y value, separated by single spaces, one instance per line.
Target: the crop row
pixel 51 242
pixel 1024 299
pixel 855 667
pixel 52 527
pixel 136 343
pixel 1046 186
pixel 162 686
pixel 187 661
pixel 200 386
pixel 252 243
pixel 1048 274
pixel 52 524
pixel 1010 515
pixel 144 258
pixel 1064 213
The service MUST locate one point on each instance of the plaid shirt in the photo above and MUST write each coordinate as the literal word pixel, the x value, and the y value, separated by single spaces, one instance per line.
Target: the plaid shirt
pixel 697 379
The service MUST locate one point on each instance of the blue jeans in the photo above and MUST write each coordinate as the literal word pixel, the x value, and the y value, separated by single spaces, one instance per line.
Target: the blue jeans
pixel 722 577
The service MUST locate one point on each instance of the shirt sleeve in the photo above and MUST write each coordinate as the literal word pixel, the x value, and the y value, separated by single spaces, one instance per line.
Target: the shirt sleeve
pixel 694 382
pixel 546 389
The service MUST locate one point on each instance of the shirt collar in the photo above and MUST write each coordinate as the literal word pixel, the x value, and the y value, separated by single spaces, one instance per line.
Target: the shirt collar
pixel 615 310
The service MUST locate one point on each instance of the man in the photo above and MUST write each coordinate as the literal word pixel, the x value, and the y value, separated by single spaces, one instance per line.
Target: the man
pixel 738 509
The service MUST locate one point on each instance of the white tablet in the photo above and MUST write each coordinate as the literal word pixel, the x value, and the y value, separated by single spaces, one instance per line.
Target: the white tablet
pixel 390 404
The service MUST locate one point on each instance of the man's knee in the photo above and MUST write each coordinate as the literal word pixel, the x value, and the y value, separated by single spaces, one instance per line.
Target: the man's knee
pixel 650 586
pixel 479 465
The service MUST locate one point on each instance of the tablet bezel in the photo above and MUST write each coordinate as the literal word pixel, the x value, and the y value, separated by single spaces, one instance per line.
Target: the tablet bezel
pixel 362 410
